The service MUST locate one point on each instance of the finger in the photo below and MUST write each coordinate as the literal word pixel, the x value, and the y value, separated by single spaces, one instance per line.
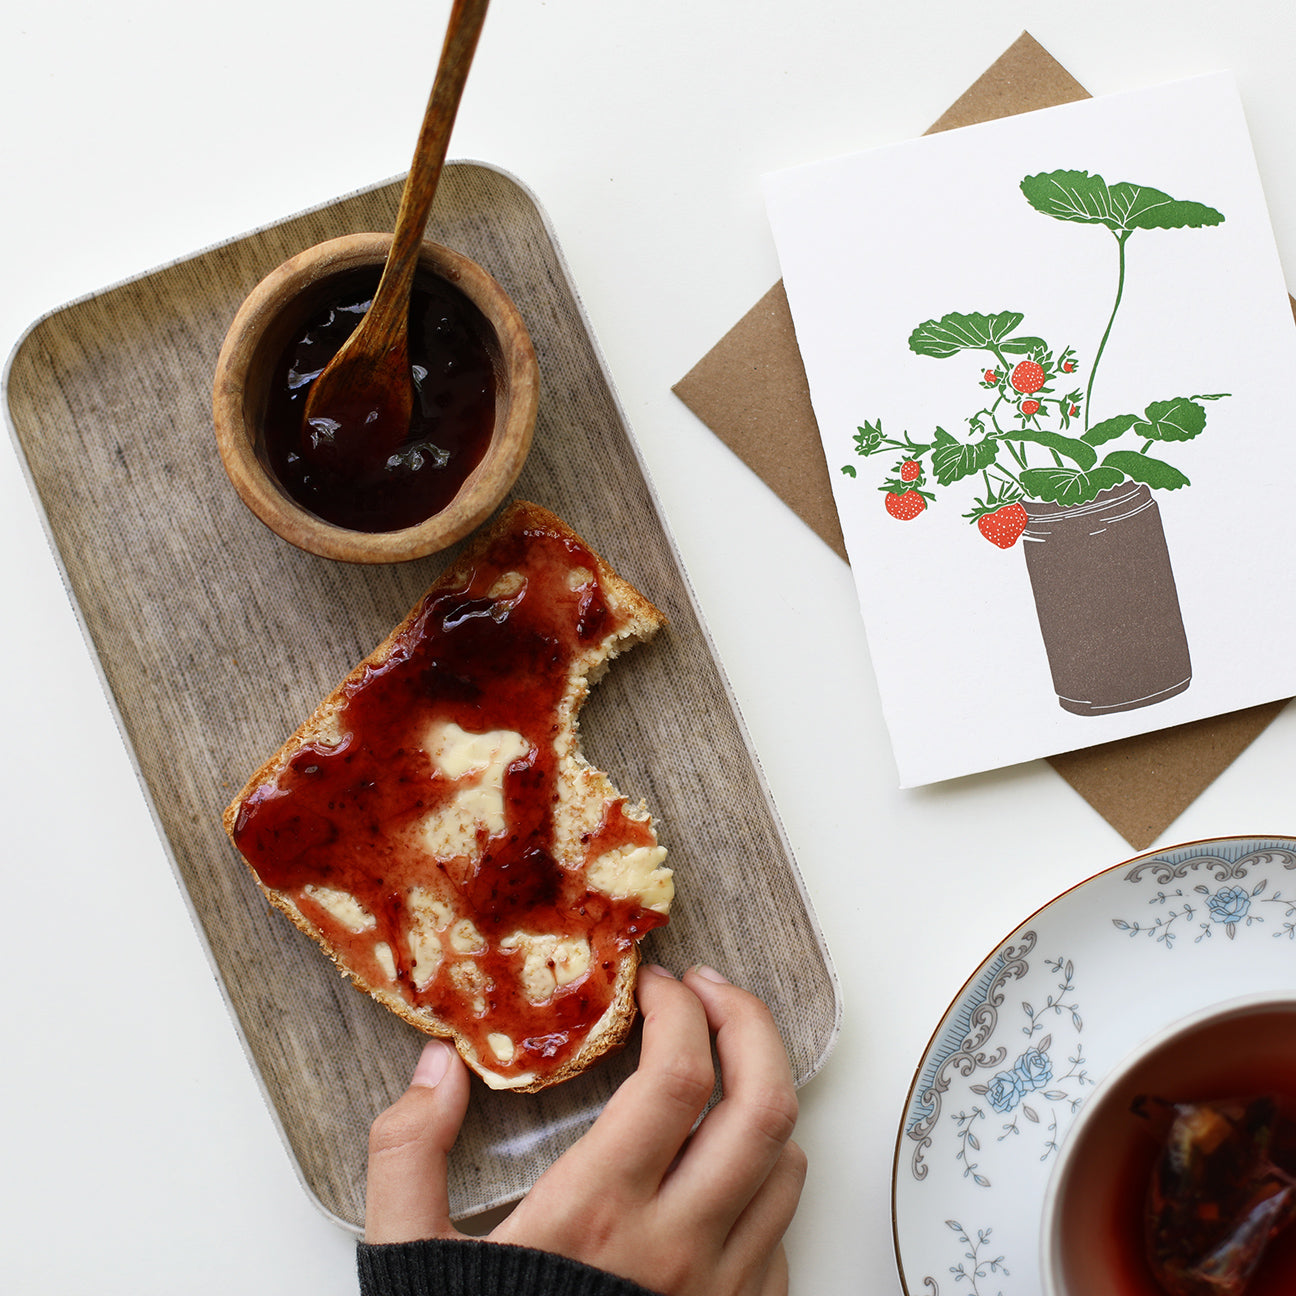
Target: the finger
pixel 644 1125
pixel 757 1234
pixel 745 1134
pixel 407 1196
pixel 770 1278
pixel 775 1279
pixel 775 1282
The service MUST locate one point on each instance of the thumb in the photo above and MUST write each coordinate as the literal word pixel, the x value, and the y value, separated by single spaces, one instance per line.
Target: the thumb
pixel 407 1197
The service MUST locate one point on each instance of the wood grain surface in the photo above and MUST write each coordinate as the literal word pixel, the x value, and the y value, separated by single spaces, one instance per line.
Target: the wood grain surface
pixel 216 638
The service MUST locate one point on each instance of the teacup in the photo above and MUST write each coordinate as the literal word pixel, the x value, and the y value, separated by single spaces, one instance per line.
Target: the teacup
pixel 1092 1236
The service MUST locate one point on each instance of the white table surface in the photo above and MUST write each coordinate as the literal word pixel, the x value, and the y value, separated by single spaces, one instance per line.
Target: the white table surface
pixel 138 1154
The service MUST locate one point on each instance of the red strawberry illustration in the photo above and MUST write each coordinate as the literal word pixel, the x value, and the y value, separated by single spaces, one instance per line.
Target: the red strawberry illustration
pixel 1027 377
pixel 1004 526
pixel 1068 366
pixel 910 470
pixel 1075 409
pixel 1030 407
pixel 904 505
pixel 992 376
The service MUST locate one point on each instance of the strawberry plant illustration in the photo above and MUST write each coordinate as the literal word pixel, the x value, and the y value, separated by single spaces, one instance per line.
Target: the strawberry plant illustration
pixel 1038 466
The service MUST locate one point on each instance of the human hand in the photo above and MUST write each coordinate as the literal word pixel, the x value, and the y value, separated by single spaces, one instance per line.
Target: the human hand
pixel 642 1194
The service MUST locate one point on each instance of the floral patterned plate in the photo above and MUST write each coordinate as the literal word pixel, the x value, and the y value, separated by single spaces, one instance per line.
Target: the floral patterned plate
pixel 1056 1006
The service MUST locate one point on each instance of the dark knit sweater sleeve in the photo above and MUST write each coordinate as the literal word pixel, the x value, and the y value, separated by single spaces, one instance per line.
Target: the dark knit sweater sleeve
pixel 467 1267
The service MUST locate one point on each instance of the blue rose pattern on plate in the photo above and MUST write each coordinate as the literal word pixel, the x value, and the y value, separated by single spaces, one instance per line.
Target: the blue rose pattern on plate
pixel 1048 1071
pixel 1231 904
pixel 1001 1081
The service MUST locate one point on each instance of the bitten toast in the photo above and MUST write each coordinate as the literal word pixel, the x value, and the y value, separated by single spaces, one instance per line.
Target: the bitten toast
pixel 434 826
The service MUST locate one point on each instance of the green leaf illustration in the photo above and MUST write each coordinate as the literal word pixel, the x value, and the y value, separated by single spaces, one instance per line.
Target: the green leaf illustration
pixel 1140 468
pixel 868 438
pixel 1180 419
pixel 1022 345
pixel 1141 207
pixel 1122 207
pixel 1069 485
pixel 1110 429
pixel 1083 454
pixel 954 332
pixel 953 460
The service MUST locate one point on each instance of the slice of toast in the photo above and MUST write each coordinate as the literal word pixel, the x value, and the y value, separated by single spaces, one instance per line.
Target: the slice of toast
pixel 434 826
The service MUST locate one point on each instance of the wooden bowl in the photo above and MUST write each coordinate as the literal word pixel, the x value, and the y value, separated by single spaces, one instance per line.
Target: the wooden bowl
pixel 266 324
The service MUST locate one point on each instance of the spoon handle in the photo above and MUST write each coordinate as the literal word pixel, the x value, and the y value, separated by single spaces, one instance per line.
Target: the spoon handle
pixel 462 31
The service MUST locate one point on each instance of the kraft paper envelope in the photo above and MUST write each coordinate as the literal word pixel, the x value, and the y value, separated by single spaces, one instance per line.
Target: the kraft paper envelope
pixel 751 391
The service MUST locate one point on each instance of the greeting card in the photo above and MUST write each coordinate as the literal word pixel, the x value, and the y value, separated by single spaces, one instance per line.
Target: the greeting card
pixel 1051 360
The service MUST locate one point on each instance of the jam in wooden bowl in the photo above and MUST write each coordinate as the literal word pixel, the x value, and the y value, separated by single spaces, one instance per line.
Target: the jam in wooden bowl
pixel 475 381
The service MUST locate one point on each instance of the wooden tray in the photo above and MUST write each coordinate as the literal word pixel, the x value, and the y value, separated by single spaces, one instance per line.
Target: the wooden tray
pixel 216 638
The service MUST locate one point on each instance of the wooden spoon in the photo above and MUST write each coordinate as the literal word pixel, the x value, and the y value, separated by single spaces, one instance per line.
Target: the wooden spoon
pixel 358 409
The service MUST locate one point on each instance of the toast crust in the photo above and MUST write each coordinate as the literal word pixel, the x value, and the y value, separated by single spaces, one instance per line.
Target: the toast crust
pixel 504 912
